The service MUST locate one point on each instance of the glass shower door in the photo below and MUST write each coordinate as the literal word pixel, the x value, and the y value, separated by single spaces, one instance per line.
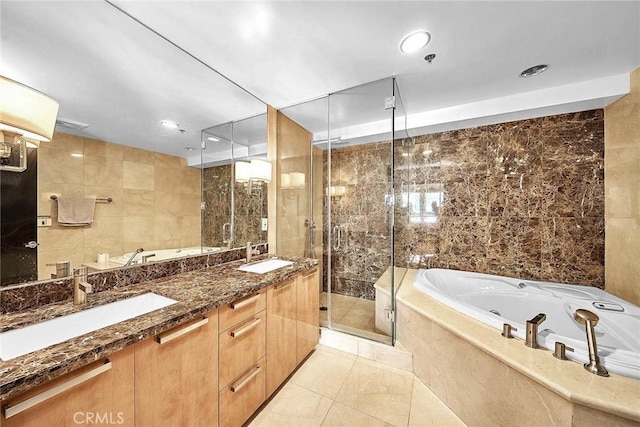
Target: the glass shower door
pixel 358 210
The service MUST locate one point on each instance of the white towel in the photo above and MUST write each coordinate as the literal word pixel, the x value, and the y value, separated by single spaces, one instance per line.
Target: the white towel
pixel 75 212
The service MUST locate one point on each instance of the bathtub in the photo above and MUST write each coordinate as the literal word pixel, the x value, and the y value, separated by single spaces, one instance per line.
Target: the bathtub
pixel 163 254
pixel 495 300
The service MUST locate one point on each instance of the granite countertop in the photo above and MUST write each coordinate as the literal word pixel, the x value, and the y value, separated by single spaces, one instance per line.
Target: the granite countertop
pixel 197 292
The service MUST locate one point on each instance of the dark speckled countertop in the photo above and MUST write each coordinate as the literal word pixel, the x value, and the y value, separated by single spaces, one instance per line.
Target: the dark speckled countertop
pixel 196 292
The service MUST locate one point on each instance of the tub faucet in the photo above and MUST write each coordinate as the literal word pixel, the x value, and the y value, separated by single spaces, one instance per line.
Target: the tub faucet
pixel 80 285
pixel 531 339
pixel 133 256
pixel 251 252
pixel 590 320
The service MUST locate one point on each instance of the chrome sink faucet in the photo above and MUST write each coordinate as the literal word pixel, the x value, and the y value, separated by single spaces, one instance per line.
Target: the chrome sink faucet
pixel 251 252
pixel 80 285
pixel 531 338
pixel 590 320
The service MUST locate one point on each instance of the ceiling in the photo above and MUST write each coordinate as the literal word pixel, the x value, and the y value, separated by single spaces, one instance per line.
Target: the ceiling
pixel 122 67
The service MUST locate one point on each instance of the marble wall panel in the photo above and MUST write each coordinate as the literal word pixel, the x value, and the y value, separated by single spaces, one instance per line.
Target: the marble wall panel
pixel 522 199
pixel 249 208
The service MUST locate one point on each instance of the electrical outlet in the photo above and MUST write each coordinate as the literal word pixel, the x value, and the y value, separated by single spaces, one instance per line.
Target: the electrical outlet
pixel 264 224
pixel 44 221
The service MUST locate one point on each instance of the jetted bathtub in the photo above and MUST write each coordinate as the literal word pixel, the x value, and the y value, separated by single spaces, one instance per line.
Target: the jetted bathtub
pixel 163 254
pixel 495 300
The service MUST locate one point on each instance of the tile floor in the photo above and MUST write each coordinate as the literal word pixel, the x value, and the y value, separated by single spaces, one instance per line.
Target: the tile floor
pixel 334 388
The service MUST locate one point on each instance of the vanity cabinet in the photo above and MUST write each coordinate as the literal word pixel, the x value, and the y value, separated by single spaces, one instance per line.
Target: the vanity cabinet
pixel 307 316
pixel 242 346
pixel 176 375
pixel 100 393
pixel 292 325
pixel 281 332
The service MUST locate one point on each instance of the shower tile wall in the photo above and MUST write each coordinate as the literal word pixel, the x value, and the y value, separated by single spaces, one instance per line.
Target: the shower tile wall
pixel 522 199
pixel 249 208
pixel 365 249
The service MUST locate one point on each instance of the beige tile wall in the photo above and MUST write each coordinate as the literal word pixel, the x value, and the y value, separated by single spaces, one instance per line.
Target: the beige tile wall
pixel 622 194
pixel 156 200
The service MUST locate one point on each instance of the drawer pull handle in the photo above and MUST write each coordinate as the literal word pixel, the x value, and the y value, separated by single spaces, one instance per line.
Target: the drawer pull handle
pixel 237 387
pixel 284 285
pixel 10 411
pixel 312 272
pixel 172 335
pixel 246 328
pixel 243 303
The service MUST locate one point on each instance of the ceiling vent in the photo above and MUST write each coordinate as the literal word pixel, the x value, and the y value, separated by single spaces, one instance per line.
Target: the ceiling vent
pixel 71 124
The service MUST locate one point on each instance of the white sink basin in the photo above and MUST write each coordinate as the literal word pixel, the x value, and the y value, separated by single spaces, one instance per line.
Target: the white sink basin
pixel 18 342
pixel 263 267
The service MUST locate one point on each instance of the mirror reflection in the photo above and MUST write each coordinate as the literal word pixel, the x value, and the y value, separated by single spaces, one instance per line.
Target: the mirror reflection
pixel 109 143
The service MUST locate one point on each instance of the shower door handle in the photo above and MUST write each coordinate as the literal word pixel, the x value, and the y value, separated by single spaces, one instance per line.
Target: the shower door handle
pixel 336 237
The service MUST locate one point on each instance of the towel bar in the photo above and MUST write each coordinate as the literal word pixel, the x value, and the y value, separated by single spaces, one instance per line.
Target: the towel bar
pixel 98 199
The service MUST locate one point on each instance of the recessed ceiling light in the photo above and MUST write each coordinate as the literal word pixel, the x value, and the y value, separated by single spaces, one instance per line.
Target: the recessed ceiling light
pixel 213 139
pixel 169 124
pixel 77 155
pixel 534 71
pixel 189 148
pixel 415 41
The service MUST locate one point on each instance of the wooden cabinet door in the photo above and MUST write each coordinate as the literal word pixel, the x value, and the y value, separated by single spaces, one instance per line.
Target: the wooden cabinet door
pixel 101 393
pixel 281 332
pixel 176 376
pixel 307 305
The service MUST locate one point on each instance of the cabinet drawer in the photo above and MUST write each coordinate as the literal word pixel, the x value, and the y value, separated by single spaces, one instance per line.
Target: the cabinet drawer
pixel 241 347
pixel 241 398
pixel 236 311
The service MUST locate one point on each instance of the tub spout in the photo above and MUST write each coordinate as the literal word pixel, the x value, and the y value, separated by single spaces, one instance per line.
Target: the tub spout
pixel 590 320
pixel 531 339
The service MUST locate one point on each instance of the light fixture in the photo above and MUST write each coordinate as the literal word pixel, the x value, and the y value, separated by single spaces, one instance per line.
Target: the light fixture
pixel 211 138
pixel 336 192
pixel 243 171
pixel 415 41
pixel 534 71
pixel 169 124
pixel 297 179
pixel 77 155
pixel 285 180
pixel 260 170
pixel 26 111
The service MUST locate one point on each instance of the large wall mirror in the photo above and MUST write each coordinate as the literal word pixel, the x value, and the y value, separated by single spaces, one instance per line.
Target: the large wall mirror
pixel 114 84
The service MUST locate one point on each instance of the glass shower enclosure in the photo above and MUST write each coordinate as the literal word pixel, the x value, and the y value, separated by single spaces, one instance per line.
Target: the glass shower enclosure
pixel 355 135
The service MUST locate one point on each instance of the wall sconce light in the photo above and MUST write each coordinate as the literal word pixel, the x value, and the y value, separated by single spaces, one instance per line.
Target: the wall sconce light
pixel 297 179
pixel 336 192
pixel 285 181
pixel 26 111
pixel 254 171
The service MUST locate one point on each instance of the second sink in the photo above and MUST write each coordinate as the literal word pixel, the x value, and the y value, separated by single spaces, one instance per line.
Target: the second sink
pixel 266 266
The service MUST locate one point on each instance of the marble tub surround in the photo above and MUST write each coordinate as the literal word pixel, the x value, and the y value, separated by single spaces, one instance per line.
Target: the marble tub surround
pixel 196 291
pixel 471 367
pixel 520 199
pixel 31 295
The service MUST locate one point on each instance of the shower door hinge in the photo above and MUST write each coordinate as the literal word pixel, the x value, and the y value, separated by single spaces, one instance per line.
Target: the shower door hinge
pixel 390 103
pixel 389 200
pixel 390 315
pixel 203 205
pixel 203 145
